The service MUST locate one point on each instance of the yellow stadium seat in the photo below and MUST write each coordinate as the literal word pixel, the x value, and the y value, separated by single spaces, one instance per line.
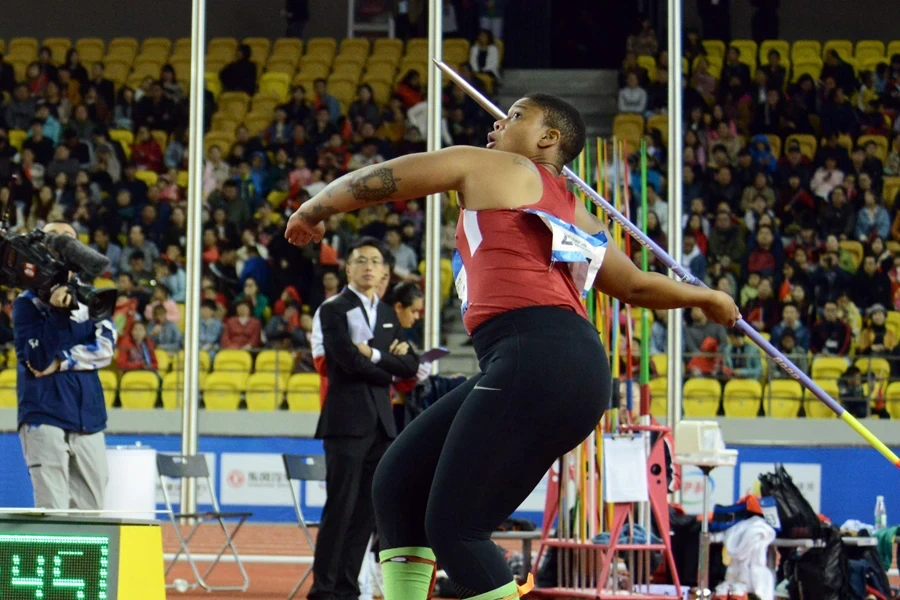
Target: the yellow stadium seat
pixel 880 367
pixel 342 89
pixel 148 177
pixel 806 142
pixel 749 52
pixel 223 47
pixel 352 56
pixel 11 358
pixel 774 144
pixel 629 127
pixel 157 44
pixel 387 46
pixel 381 90
pixel 855 249
pixel 220 139
pixel 90 50
pixel 290 49
pixel 456 51
pixel 782 46
pixel 214 64
pixel 182 69
pixel 380 70
pixel 844 48
pixel 700 398
pixel 237 361
pixel 213 84
pixel 19 66
pixel 121 50
pixel 660 364
pixel 204 360
pixel 800 69
pixel 278 361
pixel 815 408
pixel 893 48
pixel 17 137
pixel 25 48
pixel 109 381
pixel 164 360
pixel 103 283
pixel 868 50
pixel 783 399
pixel 117 72
pixel 235 104
pixel 355 44
pixel 303 392
pixel 348 64
pixel 262 104
pixel 58 48
pixel 317 43
pixel 417 45
pixel 806 48
pixel 881 142
pixel 828 367
pixel 161 137
pixel 648 63
pixel 8 397
pixel 181 50
pixel 224 123
pixel 659 388
pixel 714 47
pixel 222 391
pixel 659 122
pixel 891 186
pixel 172 385
pixel 139 389
pixel 259 48
pixel 741 398
pixel 313 70
pixel 277 65
pixel 891 397
pixel 278 85
pixel 265 391
pixel 256 124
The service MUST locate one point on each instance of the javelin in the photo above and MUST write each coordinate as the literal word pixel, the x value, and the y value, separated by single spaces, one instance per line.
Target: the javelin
pixel 780 359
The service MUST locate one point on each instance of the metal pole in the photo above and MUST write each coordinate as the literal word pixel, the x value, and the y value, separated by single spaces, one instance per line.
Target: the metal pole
pixel 190 389
pixel 433 205
pixel 676 319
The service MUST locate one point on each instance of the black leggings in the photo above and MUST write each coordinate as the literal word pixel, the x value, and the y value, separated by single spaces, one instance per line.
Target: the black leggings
pixel 470 460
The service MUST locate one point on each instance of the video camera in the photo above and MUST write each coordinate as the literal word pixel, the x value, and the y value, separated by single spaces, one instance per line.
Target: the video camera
pixel 42 262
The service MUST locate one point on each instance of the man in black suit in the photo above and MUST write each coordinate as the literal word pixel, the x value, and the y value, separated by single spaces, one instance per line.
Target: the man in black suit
pixel 357 422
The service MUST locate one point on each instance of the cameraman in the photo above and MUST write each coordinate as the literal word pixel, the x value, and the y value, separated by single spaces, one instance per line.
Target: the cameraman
pixel 62 413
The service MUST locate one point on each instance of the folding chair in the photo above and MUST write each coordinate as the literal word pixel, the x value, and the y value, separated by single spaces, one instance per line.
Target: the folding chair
pixel 194 467
pixel 311 468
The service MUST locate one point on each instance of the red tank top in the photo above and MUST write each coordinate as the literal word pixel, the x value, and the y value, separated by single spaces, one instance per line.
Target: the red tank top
pixel 506 256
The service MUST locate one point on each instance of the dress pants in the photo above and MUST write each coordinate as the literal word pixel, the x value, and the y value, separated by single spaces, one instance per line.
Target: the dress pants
pixel 348 518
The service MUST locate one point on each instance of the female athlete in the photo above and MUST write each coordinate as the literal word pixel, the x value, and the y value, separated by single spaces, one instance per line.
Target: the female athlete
pixel 526 251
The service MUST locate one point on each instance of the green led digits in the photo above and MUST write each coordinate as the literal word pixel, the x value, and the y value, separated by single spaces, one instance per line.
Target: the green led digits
pixel 46 567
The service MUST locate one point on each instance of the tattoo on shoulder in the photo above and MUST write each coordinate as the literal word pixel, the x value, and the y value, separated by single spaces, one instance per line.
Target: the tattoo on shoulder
pixel 374 185
pixel 524 162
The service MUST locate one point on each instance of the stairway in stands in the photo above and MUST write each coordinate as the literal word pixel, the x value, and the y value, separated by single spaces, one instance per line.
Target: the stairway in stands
pixel 594 93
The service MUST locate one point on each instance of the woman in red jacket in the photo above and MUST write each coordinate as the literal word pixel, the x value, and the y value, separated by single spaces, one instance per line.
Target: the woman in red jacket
pixel 136 351
pixel 242 331
pixel 146 153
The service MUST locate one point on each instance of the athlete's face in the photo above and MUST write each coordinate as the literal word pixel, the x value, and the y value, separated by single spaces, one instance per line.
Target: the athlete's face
pixel 522 131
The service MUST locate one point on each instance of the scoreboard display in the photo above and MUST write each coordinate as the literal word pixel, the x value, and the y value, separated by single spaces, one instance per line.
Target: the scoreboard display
pixel 56 567
pixel 53 558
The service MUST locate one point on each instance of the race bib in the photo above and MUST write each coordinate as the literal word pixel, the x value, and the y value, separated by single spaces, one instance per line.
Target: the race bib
pixel 459 278
pixel 581 251
pixel 770 512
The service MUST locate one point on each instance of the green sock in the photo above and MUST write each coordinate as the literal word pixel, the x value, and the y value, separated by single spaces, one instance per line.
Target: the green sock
pixel 510 590
pixel 408 573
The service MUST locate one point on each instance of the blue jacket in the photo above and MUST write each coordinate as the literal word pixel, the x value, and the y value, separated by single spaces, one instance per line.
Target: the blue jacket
pixel 71 398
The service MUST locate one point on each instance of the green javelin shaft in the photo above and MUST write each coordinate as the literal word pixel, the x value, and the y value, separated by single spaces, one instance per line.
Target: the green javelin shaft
pixel 645 314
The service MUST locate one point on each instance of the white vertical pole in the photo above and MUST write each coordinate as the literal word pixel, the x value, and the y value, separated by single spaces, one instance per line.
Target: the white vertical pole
pixel 351 17
pixel 190 389
pixel 433 205
pixel 674 347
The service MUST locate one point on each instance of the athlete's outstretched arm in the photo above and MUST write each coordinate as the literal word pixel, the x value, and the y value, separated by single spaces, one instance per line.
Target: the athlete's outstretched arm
pixel 620 278
pixel 402 178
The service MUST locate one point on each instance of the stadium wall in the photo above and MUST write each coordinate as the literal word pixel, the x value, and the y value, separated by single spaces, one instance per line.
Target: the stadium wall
pixel 161 18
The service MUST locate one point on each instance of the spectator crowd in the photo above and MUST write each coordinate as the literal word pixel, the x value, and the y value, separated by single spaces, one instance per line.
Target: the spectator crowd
pixel 806 238
pixel 68 163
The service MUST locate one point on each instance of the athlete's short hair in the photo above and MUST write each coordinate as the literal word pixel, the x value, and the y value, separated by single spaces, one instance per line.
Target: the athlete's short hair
pixel 561 115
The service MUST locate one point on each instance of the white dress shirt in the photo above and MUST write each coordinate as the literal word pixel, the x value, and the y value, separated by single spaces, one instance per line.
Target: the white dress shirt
pixel 371 308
